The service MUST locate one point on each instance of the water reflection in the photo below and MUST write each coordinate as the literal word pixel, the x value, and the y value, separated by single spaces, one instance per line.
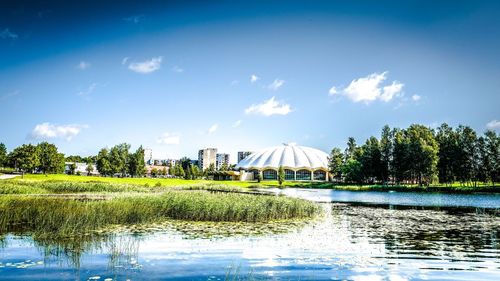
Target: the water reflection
pixel 351 242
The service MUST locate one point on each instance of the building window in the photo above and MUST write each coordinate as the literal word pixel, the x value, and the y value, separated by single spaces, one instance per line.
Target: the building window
pixel 289 175
pixel 303 175
pixel 269 175
pixel 319 175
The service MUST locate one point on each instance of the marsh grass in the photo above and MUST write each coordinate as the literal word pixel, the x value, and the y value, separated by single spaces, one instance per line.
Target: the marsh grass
pixel 53 215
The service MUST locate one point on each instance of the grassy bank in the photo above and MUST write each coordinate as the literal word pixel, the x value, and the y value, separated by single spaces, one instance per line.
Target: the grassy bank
pixel 21 209
pixel 152 184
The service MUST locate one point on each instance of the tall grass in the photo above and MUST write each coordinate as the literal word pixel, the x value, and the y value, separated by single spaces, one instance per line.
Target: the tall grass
pixel 64 216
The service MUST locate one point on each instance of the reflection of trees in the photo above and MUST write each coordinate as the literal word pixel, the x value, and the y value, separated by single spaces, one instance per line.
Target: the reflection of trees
pixel 413 230
pixel 121 249
pixel 121 244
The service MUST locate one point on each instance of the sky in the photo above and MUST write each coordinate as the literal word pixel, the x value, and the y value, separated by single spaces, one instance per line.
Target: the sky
pixel 178 76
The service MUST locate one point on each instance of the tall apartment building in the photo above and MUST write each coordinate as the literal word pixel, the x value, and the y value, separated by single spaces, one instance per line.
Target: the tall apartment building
pixel 221 159
pixel 148 156
pixel 243 154
pixel 206 157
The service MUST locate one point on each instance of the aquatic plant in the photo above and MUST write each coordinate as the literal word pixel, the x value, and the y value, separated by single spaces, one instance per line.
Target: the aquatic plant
pixel 65 216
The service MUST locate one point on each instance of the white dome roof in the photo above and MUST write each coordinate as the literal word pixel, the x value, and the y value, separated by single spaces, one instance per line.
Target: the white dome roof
pixel 286 155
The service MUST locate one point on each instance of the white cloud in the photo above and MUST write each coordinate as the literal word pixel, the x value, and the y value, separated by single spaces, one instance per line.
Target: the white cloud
pixel 237 124
pixel 254 78
pixel 269 107
pixel 169 138
pixel 277 83
pixel 125 60
pixel 49 131
pixel 7 34
pixel 415 98
pixel 213 128
pixel 333 91
pixel 391 91
pixel 370 88
pixel 89 90
pixel 493 125
pixel 235 82
pixel 177 69
pixel 83 65
pixel 146 66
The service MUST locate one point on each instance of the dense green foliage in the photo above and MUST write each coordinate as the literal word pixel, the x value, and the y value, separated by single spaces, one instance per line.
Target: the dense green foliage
pixel 420 155
pixel 281 175
pixel 120 161
pixel 3 155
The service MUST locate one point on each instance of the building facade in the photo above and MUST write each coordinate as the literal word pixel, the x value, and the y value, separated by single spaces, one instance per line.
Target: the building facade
pixel 148 156
pixel 206 157
pixel 221 159
pixel 300 163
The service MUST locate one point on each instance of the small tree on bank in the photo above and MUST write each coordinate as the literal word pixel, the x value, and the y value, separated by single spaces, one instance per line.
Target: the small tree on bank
pixel 281 175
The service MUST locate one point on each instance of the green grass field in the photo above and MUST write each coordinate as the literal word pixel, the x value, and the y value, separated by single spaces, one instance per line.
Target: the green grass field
pixel 150 182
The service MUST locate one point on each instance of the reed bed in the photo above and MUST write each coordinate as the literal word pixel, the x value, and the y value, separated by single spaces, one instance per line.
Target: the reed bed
pixel 62 216
pixel 61 187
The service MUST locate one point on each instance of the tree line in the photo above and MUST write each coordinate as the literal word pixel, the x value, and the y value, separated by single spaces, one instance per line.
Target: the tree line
pixel 28 158
pixel 419 155
pixel 119 160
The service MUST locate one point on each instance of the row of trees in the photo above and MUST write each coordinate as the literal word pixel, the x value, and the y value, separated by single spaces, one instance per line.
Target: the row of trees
pixel 43 157
pixel 120 161
pixel 420 155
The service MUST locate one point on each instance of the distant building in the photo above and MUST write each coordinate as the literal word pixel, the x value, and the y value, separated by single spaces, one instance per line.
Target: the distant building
pixel 206 157
pixel 221 159
pixel 148 156
pixel 172 162
pixel 80 168
pixel 242 155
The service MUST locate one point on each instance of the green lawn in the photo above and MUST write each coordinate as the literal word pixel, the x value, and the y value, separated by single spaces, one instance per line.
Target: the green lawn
pixel 455 187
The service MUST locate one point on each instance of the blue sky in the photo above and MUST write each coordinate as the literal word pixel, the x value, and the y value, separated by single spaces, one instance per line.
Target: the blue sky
pixel 177 76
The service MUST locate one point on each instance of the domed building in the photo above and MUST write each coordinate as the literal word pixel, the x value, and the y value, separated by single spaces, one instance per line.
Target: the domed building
pixel 300 163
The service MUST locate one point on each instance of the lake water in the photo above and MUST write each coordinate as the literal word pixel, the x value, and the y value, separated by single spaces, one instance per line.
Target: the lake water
pixel 376 236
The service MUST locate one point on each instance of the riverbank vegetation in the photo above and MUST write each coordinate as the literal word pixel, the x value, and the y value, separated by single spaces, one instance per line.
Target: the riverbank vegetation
pixel 34 207
pixel 422 156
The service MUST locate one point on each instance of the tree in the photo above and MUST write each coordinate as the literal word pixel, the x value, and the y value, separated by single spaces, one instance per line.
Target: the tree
pixel 351 150
pixel 466 158
pixel 188 174
pixel 25 158
pixel 3 155
pixel 195 172
pixel 154 172
pixel 422 154
pixel 386 148
pixel 335 161
pixel 491 156
pixel 136 164
pixel 352 171
pixel 89 168
pixel 72 168
pixel 119 158
pixel 103 164
pixel 50 161
pixel 448 148
pixel 281 175
pixel 185 163
pixel 370 159
pixel 259 177
pixel 224 167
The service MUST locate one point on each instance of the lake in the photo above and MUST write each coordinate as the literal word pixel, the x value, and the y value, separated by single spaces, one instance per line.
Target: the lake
pixel 362 236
